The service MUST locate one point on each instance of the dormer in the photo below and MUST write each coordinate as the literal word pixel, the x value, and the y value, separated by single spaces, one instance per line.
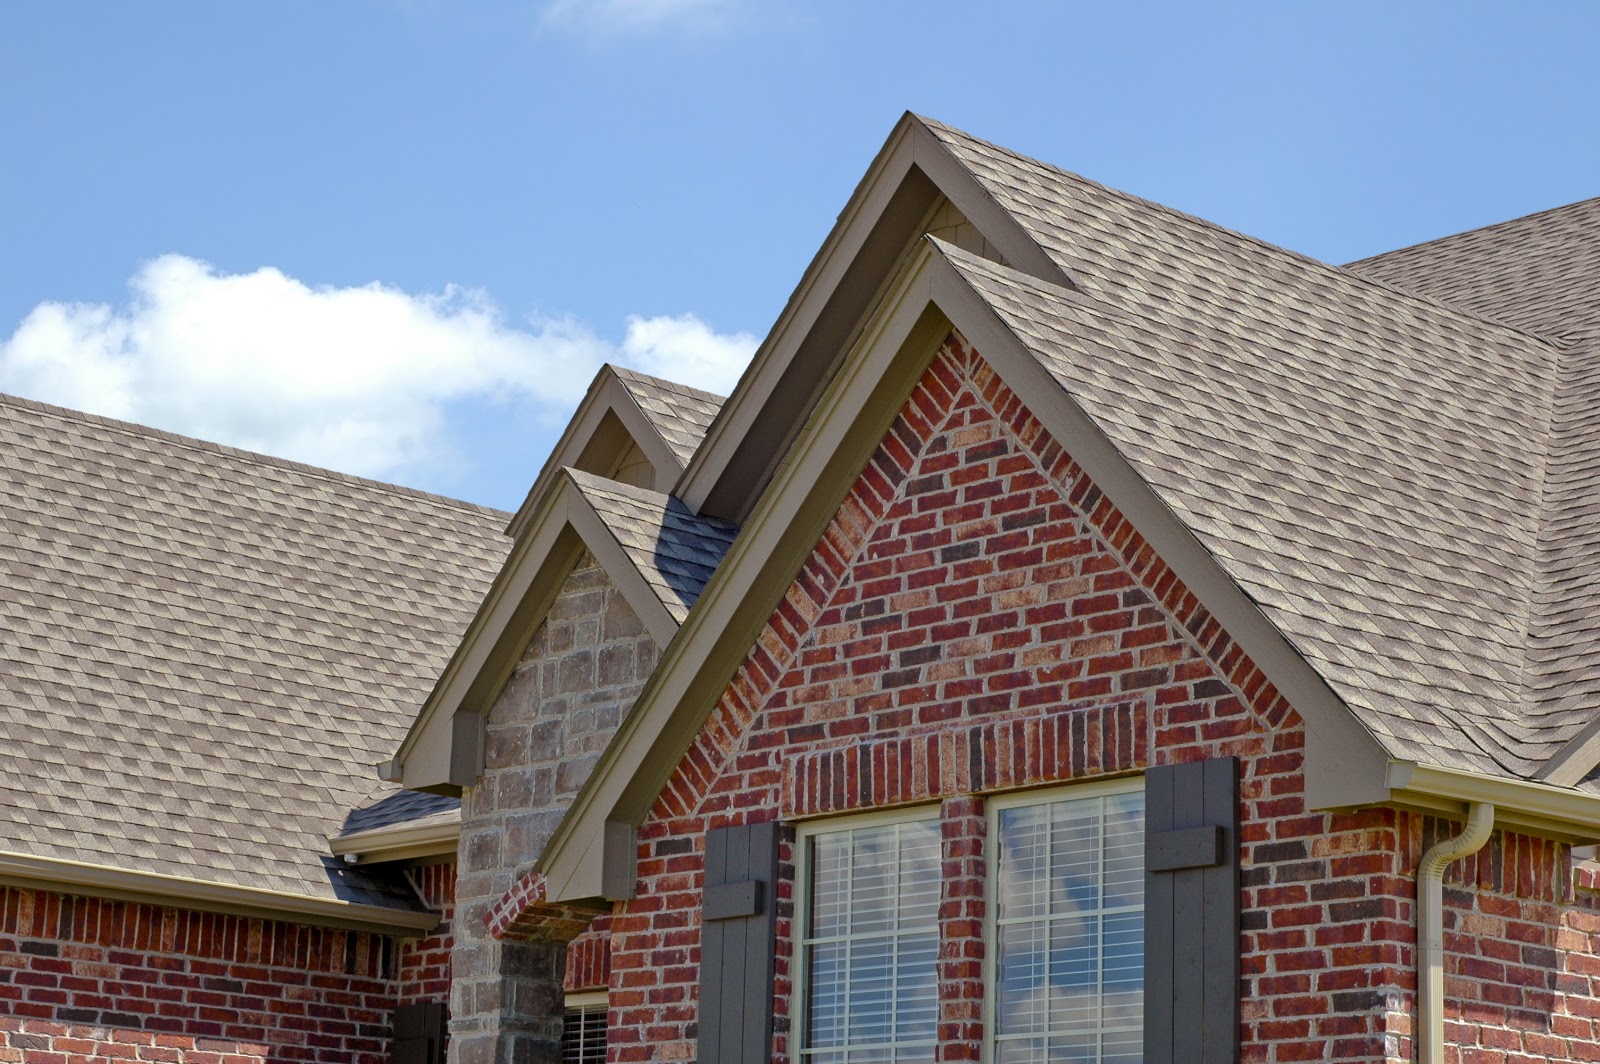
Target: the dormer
pixel 630 428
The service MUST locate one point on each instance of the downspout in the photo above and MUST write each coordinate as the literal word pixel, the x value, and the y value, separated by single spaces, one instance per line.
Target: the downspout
pixel 1430 927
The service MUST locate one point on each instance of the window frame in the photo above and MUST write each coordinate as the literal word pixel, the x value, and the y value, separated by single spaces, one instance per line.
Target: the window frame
pixel 805 831
pixel 583 1001
pixel 993 806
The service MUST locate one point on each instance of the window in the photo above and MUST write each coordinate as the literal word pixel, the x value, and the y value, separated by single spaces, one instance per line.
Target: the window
pixel 869 940
pixel 583 1032
pixel 1066 935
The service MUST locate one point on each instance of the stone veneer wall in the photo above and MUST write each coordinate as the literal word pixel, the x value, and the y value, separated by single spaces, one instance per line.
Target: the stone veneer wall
pixel 578 678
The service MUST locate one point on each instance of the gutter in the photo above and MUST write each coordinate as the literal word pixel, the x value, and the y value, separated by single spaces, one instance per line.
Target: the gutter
pixel 156 888
pixel 1521 805
pixel 434 836
pixel 1430 927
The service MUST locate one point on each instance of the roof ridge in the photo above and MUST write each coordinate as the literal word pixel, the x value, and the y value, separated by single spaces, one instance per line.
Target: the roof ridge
pixel 1469 232
pixel 133 428
pixel 626 372
pixel 1206 224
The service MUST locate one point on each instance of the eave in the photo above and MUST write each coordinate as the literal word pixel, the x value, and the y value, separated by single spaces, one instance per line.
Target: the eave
pixel 154 888
pixel 434 836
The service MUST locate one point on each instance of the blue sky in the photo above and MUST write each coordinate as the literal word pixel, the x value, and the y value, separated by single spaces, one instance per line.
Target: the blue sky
pixel 396 236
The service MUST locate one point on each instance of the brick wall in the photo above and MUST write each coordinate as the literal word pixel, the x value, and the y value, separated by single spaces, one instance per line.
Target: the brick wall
pixel 578 677
pixel 83 979
pixel 424 963
pixel 978 616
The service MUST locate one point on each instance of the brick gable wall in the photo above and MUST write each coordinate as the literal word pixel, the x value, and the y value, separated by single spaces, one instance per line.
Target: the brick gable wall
pixel 978 616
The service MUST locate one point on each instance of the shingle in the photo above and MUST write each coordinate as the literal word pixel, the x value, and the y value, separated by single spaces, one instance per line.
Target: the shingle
pixel 204 652
pixel 675 550
pixel 680 413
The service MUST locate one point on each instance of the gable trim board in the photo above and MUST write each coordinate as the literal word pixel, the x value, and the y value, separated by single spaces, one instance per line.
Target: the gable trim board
pixel 590 439
pixel 824 317
pixel 1345 764
pixel 155 888
pixel 442 752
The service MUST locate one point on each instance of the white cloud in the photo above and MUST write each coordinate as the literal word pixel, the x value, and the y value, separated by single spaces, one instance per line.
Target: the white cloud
pixel 618 17
pixel 356 379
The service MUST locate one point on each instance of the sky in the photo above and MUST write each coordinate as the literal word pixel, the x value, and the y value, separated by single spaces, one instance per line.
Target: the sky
pixel 397 238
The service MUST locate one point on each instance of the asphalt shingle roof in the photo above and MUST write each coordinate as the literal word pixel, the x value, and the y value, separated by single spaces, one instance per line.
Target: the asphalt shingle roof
pixel 1373 466
pixel 674 549
pixel 204 652
pixel 680 413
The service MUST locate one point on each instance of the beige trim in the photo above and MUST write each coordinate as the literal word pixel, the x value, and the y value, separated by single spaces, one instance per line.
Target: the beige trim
pixel 1576 758
pixel 432 757
pixel 593 442
pixel 587 999
pixel 1528 806
pixel 155 888
pixel 1345 765
pixel 433 836
pixel 846 281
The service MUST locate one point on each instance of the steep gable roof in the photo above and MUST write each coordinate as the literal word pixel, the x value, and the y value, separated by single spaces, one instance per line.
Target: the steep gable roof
pixel 205 651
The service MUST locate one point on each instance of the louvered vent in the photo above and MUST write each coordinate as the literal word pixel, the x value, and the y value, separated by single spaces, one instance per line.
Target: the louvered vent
pixel 583 1036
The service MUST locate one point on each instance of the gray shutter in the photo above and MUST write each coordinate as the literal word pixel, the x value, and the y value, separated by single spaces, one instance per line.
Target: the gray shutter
pixel 737 931
pixel 1191 959
pixel 419 1033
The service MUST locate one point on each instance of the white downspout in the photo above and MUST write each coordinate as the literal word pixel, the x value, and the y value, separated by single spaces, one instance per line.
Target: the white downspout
pixel 1430 927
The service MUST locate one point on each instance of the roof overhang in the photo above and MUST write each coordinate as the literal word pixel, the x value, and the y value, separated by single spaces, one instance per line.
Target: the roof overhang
pixel 431 836
pixel 850 275
pixel 589 854
pixel 1522 805
pixel 442 752
pixel 154 888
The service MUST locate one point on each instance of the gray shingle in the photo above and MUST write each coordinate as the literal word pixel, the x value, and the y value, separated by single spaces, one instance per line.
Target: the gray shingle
pixel 675 550
pixel 204 652
pixel 680 413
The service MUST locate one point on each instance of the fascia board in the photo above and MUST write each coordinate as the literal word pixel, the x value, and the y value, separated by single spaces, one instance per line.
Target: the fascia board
pixel 1576 758
pixel 746 586
pixel 424 756
pixel 153 888
pixel 517 603
pixel 1533 806
pixel 1345 762
pixel 910 146
pixel 431 837
pixel 606 394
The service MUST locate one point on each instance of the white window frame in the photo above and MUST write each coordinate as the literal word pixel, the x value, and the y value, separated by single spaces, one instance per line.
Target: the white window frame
pixel 800 997
pixel 993 806
pixel 588 999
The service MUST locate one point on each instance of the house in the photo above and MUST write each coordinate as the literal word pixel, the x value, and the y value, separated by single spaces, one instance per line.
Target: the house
pixel 1086 633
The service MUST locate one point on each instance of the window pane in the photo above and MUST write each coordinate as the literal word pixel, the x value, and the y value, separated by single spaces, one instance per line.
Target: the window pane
pixel 871 945
pixel 1069 970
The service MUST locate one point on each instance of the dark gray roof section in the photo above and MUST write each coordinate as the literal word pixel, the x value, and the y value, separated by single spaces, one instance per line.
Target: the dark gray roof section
pixel 1540 272
pixel 675 550
pixel 204 652
pixel 389 806
pixel 680 413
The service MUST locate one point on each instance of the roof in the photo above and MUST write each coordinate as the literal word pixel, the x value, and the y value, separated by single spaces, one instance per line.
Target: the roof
pixel 675 550
pixel 681 414
pixel 205 651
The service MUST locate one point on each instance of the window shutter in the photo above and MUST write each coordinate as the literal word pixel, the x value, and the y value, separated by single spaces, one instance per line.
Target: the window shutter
pixel 1191 971
pixel 736 944
pixel 419 1033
